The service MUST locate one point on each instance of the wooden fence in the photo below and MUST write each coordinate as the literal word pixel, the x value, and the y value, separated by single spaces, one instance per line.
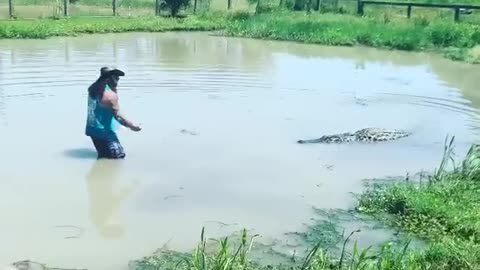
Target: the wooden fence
pixel 66 7
pixel 455 7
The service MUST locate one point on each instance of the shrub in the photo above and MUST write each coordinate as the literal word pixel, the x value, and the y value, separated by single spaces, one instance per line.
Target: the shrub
pixel 175 5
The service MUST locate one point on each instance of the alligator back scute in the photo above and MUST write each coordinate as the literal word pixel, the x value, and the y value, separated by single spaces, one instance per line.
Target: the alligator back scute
pixel 379 135
pixel 366 135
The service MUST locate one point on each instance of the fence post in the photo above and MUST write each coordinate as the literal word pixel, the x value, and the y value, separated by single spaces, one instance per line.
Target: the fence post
pixel 457 14
pixel 157 7
pixel 114 7
pixel 359 7
pixel 409 11
pixel 229 4
pixel 10 8
pixel 317 5
pixel 309 6
pixel 65 7
pixel 194 6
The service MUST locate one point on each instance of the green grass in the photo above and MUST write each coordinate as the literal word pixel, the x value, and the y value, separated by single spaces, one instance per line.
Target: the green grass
pixel 445 209
pixel 348 30
pixel 228 257
pixel 38 29
pixel 29 9
pixel 446 204
pixel 236 255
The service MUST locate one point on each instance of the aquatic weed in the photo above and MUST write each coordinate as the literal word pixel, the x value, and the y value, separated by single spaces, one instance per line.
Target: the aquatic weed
pixel 445 210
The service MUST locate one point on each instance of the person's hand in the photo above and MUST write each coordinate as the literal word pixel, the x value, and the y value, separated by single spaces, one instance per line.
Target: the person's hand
pixel 136 128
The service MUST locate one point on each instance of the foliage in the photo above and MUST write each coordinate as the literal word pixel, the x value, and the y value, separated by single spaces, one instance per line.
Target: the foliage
pixel 175 5
pixel 444 209
pixel 348 30
pixel 439 256
pixel 75 26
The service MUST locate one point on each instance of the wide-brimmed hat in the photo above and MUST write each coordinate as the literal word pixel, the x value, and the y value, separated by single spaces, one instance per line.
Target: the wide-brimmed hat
pixel 108 71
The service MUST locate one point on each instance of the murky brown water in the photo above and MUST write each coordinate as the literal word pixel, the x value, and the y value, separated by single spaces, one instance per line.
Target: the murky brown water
pixel 248 101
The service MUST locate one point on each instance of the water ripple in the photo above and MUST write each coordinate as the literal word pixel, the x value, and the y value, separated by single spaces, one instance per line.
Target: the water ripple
pixel 457 104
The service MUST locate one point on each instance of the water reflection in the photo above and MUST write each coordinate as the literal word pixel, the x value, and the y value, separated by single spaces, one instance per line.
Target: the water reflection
pixel 178 50
pixel 106 196
pixel 3 117
pixel 81 153
pixel 67 52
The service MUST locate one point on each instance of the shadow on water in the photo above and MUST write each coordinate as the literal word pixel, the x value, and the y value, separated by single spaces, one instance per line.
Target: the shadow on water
pixel 81 153
pixel 105 197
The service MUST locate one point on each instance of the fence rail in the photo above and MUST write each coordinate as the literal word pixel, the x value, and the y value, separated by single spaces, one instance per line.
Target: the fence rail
pixel 68 6
pixel 456 7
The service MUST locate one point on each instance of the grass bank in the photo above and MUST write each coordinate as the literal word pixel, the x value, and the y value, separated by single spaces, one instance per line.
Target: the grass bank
pixel 455 40
pixel 45 28
pixel 444 210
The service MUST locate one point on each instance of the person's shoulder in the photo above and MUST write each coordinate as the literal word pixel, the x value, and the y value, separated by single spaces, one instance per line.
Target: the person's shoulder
pixel 109 97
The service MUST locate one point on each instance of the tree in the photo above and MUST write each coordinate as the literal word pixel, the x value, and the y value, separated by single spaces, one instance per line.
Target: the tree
pixel 175 5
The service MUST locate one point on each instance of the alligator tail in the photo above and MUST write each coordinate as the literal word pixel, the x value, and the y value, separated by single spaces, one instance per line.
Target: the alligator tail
pixel 308 141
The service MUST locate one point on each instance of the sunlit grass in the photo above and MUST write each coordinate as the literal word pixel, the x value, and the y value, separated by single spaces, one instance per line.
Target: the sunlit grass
pixel 444 208
pixel 75 26
pixel 348 30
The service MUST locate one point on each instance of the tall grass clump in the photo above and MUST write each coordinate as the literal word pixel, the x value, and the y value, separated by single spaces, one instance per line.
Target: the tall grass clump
pixel 228 257
pixel 387 257
pixel 443 208
pixel 344 29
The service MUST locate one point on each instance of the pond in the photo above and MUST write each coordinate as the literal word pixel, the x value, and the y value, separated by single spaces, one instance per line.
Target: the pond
pixel 220 117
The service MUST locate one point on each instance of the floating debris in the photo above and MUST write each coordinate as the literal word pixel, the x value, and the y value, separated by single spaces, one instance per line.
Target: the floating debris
pixel 328 166
pixel 31 265
pixel 171 196
pixel 79 229
pixel 188 132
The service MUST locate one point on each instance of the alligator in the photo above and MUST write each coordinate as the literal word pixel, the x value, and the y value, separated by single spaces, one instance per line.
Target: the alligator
pixel 366 135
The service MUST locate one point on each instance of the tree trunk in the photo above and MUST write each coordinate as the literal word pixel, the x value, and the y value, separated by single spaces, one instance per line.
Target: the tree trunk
pixel 300 5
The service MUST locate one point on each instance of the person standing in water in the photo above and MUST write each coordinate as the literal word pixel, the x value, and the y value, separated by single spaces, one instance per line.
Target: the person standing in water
pixel 103 108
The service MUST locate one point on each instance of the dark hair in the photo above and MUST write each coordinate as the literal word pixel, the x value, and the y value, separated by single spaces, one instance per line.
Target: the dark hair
pixel 97 88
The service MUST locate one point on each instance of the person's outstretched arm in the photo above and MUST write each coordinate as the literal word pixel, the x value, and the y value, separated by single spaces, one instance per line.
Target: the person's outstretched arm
pixel 113 102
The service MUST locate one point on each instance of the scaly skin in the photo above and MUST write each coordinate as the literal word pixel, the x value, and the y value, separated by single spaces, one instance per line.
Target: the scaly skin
pixel 366 135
